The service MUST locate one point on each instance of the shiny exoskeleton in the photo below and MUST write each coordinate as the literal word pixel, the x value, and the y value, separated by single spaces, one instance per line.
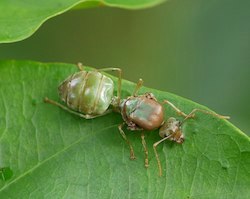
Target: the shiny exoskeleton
pixel 89 94
pixel 144 112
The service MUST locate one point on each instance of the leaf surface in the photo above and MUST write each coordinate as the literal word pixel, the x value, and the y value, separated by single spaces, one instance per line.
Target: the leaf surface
pixel 20 19
pixel 46 152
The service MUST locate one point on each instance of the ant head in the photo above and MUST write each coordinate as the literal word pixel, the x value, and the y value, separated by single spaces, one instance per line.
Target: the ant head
pixel 172 129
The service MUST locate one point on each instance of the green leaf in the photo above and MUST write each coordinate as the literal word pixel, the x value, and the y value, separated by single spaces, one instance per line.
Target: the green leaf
pixel 20 19
pixel 47 152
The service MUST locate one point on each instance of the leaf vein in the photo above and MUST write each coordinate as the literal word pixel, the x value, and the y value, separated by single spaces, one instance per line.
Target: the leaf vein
pixel 51 157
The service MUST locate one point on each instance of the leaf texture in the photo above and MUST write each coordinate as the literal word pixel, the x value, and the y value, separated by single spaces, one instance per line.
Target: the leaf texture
pixel 54 154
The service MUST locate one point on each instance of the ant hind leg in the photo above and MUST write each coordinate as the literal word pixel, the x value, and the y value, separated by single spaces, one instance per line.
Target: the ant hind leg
pixel 85 116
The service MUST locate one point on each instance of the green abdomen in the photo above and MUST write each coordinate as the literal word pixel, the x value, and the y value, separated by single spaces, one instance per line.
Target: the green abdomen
pixel 87 92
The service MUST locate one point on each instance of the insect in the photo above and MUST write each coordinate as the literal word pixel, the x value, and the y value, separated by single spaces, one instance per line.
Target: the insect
pixel 144 112
pixel 89 94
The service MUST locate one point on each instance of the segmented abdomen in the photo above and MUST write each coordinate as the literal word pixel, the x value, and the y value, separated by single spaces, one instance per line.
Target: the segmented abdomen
pixel 87 92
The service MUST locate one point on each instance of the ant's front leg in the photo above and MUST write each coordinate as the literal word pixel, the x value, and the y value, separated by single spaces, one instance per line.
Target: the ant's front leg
pixel 179 112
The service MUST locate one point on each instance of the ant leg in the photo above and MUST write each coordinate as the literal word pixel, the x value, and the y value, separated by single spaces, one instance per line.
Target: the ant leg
pixel 119 80
pixel 80 66
pixel 156 154
pixel 192 114
pixel 145 149
pixel 47 100
pixel 132 155
pixel 175 108
pixel 138 86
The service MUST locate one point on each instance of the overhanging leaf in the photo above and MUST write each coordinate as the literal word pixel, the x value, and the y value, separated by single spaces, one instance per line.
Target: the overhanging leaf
pixel 53 154
pixel 20 19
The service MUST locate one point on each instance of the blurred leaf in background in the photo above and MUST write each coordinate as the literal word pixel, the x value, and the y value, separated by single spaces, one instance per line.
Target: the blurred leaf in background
pixel 20 19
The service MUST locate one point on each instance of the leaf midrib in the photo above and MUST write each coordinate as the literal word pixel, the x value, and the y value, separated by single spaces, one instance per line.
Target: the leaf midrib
pixel 55 155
